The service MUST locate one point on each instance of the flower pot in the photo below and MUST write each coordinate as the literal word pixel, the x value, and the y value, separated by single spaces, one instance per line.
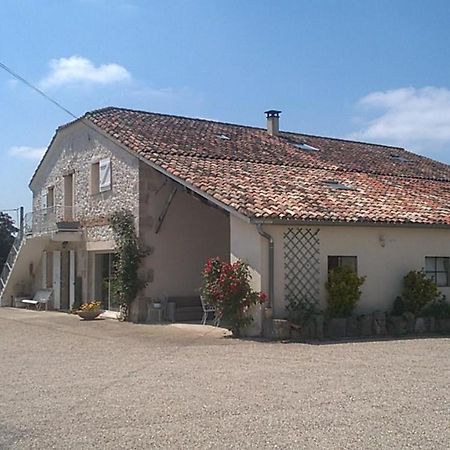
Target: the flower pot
pixel 89 315
pixel 396 325
pixel 336 327
pixel 443 325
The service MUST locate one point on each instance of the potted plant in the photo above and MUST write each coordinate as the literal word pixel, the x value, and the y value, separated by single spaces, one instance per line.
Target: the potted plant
pixel 438 313
pixel 305 317
pixel 90 310
pixel 419 291
pixel 343 288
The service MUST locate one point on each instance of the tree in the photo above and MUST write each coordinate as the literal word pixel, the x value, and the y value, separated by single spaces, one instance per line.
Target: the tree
pixel 7 231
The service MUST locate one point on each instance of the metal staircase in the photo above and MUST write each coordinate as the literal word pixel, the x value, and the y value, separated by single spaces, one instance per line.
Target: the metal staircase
pixel 9 263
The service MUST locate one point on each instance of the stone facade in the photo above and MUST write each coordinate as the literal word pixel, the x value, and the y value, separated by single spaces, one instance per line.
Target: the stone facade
pixel 75 153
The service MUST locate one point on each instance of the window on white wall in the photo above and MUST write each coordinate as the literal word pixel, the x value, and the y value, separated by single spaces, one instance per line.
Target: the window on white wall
pixel 437 268
pixel 343 261
pixel 101 176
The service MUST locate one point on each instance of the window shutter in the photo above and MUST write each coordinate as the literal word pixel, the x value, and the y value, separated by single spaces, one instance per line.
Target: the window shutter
pixel 105 175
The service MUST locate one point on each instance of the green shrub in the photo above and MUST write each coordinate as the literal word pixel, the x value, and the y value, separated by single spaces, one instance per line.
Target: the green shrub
pixel 440 309
pixel 399 307
pixel 343 288
pixel 418 290
pixel 227 286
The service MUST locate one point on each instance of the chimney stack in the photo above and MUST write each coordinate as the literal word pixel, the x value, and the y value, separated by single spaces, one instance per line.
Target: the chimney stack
pixel 273 121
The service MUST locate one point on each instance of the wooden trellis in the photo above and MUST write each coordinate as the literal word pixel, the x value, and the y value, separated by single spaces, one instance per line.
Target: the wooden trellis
pixel 302 264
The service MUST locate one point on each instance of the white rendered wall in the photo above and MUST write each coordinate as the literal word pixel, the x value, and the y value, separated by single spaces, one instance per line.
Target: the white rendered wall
pixel 248 245
pixel 385 255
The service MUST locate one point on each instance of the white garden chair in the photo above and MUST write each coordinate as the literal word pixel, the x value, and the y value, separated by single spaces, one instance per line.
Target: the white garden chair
pixel 208 308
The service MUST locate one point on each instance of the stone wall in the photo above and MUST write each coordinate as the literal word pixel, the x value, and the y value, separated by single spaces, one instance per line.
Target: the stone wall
pixel 74 151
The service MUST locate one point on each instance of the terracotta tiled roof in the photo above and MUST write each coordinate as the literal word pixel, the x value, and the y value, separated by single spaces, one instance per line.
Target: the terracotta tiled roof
pixel 269 177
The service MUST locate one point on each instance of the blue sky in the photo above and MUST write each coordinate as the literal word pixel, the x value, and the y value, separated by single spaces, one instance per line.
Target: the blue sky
pixel 361 69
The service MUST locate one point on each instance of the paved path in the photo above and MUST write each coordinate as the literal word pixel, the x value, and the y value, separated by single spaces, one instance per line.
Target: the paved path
pixel 108 385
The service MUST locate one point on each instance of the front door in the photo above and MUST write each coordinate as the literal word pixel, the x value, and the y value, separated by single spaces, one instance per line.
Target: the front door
pixel 67 293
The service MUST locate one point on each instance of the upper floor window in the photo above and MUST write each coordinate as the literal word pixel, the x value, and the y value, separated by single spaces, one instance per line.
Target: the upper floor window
pixel 342 261
pixel 101 176
pixel 48 199
pixel 436 268
pixel 51 197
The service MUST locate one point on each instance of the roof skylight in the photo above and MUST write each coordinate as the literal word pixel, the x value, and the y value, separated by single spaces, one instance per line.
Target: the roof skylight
pixel 334 184
pixel 224 137
pixel 304 146
pixel 399 158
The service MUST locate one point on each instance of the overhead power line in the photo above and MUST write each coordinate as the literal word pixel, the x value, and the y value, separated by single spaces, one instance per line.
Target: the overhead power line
pixel 47 97
pixel 39 91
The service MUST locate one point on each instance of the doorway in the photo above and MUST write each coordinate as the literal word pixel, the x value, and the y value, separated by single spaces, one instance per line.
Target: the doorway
pixel 104 281
pixel 67 279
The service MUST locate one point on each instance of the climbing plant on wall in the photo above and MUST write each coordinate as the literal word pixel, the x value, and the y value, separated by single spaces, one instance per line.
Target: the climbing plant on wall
pixel 128 256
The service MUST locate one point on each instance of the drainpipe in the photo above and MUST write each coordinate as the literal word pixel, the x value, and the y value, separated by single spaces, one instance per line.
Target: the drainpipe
pixel 271 262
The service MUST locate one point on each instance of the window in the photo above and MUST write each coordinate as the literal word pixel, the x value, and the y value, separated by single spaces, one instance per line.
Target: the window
pixel 334 184
pixel 44 201
pixel 101 176
pixel 304 146
pixel 95 178
pixel 342 261
pixel 51 197
pixel 436 268
pixel 48 199
pixel 68 198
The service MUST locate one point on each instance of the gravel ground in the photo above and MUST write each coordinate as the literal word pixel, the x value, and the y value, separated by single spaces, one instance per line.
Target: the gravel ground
pixel 103 384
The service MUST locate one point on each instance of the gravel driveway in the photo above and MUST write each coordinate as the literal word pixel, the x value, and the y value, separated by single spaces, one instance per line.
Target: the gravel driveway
pixel 103 384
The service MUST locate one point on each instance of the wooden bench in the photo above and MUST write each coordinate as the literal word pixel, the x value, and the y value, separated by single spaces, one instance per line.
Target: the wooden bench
pixel 187 309
pixel 41 298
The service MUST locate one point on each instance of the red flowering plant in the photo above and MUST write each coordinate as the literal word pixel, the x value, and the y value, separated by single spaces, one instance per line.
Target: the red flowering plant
pixel 227 287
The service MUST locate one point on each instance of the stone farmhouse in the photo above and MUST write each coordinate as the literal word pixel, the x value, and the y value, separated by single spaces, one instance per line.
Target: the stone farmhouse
pixel 292 205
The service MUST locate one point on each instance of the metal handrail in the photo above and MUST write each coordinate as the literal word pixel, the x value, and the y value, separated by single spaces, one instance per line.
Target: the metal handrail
pixel 45 220
pixel 10 260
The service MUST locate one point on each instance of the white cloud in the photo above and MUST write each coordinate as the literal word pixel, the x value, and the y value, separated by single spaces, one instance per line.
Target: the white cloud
pixel 26 152
pixel 77 69
pixel 415 118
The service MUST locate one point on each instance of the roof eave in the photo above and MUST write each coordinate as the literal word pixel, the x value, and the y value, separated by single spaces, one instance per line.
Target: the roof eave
pixel 340 223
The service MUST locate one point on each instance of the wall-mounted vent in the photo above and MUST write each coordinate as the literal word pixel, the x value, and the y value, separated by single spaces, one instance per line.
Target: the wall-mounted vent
pixel 335 184
pixel 306 147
